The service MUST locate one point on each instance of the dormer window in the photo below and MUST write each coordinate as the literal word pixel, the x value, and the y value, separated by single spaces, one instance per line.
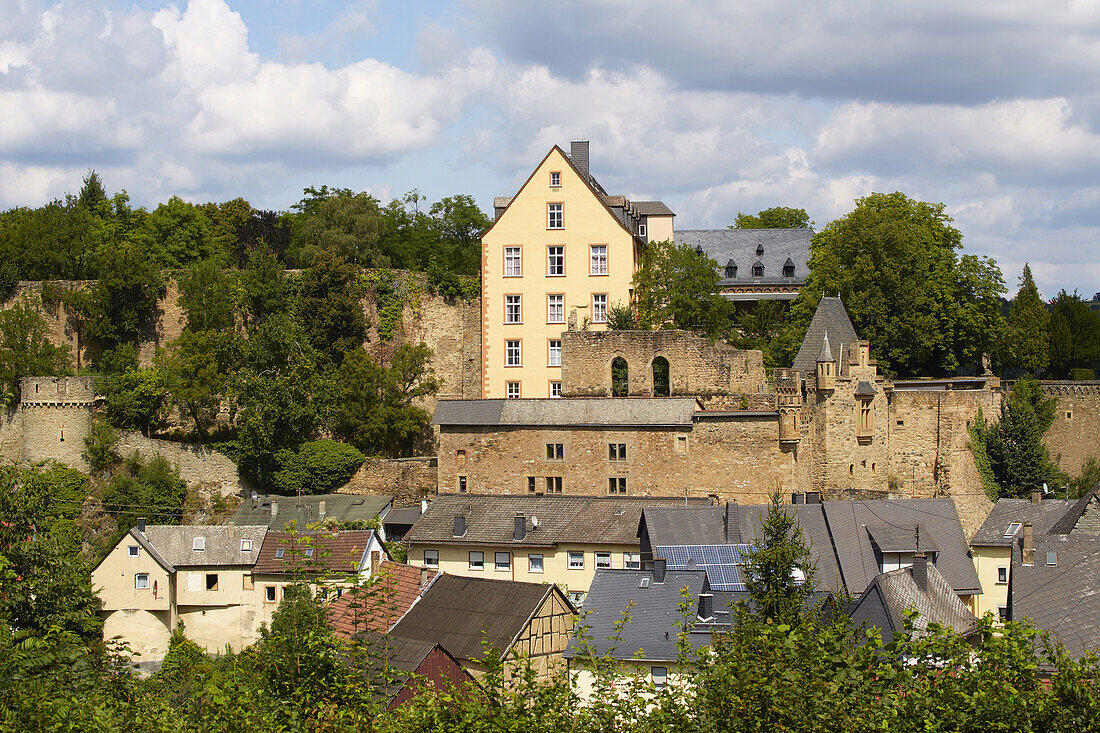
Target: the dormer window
pixel 788 268
pixel 246 545
pixel 641 230
pixel 731 270
pixel 759 250
pixel 199 544
pixel 758 269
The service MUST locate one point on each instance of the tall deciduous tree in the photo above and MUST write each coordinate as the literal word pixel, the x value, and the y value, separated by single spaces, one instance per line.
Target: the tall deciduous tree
pixel 329 305
pixel 677 287
pixel 1028 334
pixel 265 289
pixel 207 297
pixel 777 217
pixel 347 223
pixel 26 350
pixel 196 374
pixel 122 303
pixel 894 262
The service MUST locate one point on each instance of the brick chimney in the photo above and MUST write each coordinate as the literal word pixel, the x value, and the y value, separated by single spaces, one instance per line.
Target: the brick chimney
pixel 274 508
pixel 1036 496
pixel 1029 544
pixel 321 510
pixel 578 153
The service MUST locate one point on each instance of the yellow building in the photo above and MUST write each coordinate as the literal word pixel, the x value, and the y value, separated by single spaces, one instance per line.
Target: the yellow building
pixel 560 253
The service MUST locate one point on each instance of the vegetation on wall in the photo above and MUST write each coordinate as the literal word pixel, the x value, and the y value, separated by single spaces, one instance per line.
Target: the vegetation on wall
pixel 677 287
pixel 26 350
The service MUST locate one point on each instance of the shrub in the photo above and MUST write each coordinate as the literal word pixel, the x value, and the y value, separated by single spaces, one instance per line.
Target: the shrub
pixel 316 467
pixel 99 446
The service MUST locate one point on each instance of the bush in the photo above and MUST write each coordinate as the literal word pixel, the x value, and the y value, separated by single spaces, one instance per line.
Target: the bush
pixel 154 490
pixel 317 467
pixel 9 278
pixel 99 446
pixel 1082 374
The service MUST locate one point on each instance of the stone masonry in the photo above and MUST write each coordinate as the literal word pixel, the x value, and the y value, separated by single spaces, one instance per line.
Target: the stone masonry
pixel 1074 436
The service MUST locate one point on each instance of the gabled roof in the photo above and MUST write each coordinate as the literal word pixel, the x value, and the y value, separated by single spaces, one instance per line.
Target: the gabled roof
pixel 1064 598
pixel 304 510
pixel 1006 512
pixel 1087 506
pixel 397 659
pixel 341 552
pixel 830 317
pixel 222 544
pixel 890 595
pixel 460 612
pixel 865 389
pixel 631 411
pixel 652 208
pixel 779 246
pixel 381 603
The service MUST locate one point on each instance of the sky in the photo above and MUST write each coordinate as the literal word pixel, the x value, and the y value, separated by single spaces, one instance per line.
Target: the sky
pixel 989 106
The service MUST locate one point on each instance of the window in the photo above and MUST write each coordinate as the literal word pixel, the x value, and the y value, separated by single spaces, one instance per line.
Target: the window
pixel 758 270
pixel 1002 576
pixel 599 307
pixel 598 259
pixel 632 560
pixel 576 560
pixel 502 561
pixel 460 454
pixel 1069 415
pixel 462 484
pixel 616 485
pixel 512 353
pixel 199 544
pixel 554 358
pixel 1002 613
pixel 477 560
pixel 431 558
pixel 616 451
pixel 788 270
pixel 279 553
pixel 309 552
pixel 555 389
pixel 555 260
pixel 512 390
pixel 620 377
pixel 512 312
pixel 662 377
pixel 1052 558
pixel 641 230
pixel 530 484
pixel 269 593
pixel 731 272
pixel 576 597
pixel 555 308
pixel 681 444
pixel 513 262
pixel 866 418
pixel 660 676
pixel 134 551
pixel 1013 528
pixel 248 582
pixel 141 581
pixel 246 545
pixel 555 178
pixel 555 451
pixel 534 563
pixel 555 216
pixel 211 581
pixel 603 560
pixel 553 484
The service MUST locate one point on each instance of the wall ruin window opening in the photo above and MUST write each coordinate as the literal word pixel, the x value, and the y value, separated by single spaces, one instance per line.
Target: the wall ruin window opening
pixel 620 377
pixel 661 378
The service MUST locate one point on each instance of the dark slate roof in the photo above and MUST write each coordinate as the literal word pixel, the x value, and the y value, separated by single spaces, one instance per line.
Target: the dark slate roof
pixel 341 552
pixel 652 208
pixel 849 522
pixel 865 388
pixel 633 411
pixel 306 510
pixel 175 544
pixel 890 595
pixel 655 619
pixel 742 246
pixel 1068 522
pixel 409 515
pixel 903 538
pixel 614 520
pixel 682 525
pixel 1042 516
pixel 830 316
pixel 1063 599
pixel 459 613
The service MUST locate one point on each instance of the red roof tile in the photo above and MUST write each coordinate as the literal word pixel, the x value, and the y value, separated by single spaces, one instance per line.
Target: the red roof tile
pixel 378 605
pixel 341 552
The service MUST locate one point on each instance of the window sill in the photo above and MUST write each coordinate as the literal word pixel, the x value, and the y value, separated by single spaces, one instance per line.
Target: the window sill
pixel 520 275
pixel 512 366
pixel 512 323
pixel 599 274
pixel 551 275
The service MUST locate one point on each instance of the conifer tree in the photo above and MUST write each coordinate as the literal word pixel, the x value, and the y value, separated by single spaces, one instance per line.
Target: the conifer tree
pixel 1028 327
pixel 779 571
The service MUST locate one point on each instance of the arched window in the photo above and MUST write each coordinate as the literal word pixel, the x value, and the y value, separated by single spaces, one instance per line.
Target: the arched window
pixel 620 377
pixel 661 381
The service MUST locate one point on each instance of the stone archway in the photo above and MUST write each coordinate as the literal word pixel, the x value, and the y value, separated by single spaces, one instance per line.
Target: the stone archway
pixel 620 377
pixel 662 378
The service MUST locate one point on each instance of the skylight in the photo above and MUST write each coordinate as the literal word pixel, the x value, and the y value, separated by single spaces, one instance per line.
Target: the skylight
pixel 644 583
pixel 279 554
pixel 1012 529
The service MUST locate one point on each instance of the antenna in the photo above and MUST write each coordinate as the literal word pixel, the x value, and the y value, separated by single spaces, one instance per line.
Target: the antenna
pixel 255 499
pixel 534 522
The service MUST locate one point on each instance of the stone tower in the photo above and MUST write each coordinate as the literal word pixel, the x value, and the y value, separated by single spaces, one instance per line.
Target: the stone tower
pixel 56 416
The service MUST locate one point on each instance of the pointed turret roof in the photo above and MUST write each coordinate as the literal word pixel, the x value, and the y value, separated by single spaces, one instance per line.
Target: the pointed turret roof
pixel 826 353
pixel 830 317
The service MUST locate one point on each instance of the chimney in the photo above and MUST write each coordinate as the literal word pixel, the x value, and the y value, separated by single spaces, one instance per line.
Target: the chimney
pixel 425 575
pixel 813 497
pixel 423 506
pixel 713 499
pixel 798 498
pixel 274 508
pixel 375 561
pixel 321 511
pixel 141 525
pixel 519 530
pixel 1036 496
pixel 460 526
pixel 232 531
pixel 920 571
pixel 1029 544
pixel 706 605
pixel 658 570
pixel 578 153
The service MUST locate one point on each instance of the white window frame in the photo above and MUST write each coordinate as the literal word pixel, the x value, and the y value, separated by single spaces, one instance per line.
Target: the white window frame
pixel 555 255
pixel 431 558
pixel 513 352
pixel 641 230
pixel 576 560
pixel 513 309
pixel 1013 528
pixel 597 259
pixel 138 577
pixel 555 388
pixel 603 560
pixel 535 563
pixel 513 262
pixel 134 551
pixel 555 308
pixel 555 179
pixel 632 560
pixel 660 680
pixel 599 307
pixel 555 215
pixel 477 560
pixel 198 544
pixel 271 593
pixel 513 390
pixel 246 545
pixel 553 352
pixel 507 564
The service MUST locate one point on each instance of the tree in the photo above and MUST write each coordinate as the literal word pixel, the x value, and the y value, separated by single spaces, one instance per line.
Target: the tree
pixel 1074 335
pixel 349 224
pixel 151 489
pixel 459 224
pixel 317 467
pixel 893 261
pixel 264 287
pixel 677 287
pixel 121 305
pixel 620 317
pixel 263 229
pixel 329 305
pixel 136 399
pixel 1019 460
pixel 196 374
pixel 779 570
pixel 25 349
pixel 93 196
pixel 181 234
pixel 207 297
pixel 1028 333
pixel 778 217
pixel 375 410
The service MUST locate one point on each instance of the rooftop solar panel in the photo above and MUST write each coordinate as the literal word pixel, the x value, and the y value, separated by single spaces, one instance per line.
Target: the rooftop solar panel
pixel 721 562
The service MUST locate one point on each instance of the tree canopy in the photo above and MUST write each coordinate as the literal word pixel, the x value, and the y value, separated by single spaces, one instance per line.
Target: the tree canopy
pixel 777 217
pixel 1028 338
pixel 677 287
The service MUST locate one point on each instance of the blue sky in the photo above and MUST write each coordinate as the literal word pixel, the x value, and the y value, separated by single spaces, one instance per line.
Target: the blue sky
pixel 714 107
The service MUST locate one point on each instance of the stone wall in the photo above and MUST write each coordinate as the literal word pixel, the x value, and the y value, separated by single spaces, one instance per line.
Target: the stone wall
pixel 197 464
pixel 1074 435
pixel 696 366
pixel 408 480
pixel 55 416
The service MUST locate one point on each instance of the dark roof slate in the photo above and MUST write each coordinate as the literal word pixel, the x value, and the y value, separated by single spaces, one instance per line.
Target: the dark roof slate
pixel 1068 522
pixel 1063 599
pixel 652 208
pixel 779 246
pixel 905 538
pixel 832 317
pixel 890 595
pixel 305 510
pixel 1043 516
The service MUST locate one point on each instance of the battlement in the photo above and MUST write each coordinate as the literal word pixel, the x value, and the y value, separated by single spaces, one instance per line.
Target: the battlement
pixel 56 392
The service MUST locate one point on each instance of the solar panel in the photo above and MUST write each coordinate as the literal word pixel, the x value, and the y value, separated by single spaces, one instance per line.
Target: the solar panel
pixel 721 562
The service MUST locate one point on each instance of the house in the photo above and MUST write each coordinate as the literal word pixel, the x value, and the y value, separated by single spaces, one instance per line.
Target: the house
pixel 523 621
pixel 991 546
pixel 404 668
pixel 555 539
pixel 560 251
pixel 277 511
pixel 334 559
pixel 158 576
pixel 918 587
pixel 398 522
pixel 378 605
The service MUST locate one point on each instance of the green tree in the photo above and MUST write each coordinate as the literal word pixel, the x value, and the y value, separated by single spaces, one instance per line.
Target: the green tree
pixel 376 410
pixel 196 374
pixel 93 195
pixel 779 570
pixel 151 489
pixel 207 297
pixel 263 229
pixel 1074 335
pixel 349 224
pixel 893 261
pixel 677 287
pixel 136 399
pixel 330 306
pixel 317 467
pixel 1017 456
pixel 778 217
pixel 265 288
pixel 1028 335
pixel 26 350
pixel 459 224
pixel 121 305
pixel 620 317
pixel 181 234
pixel 99 446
